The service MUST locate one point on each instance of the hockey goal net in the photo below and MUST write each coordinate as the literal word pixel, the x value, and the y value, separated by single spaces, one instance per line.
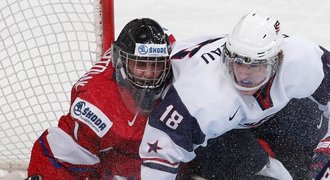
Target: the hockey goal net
pixel 45 46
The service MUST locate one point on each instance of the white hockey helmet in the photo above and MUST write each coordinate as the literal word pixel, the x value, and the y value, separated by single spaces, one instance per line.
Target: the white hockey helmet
pixel 254 41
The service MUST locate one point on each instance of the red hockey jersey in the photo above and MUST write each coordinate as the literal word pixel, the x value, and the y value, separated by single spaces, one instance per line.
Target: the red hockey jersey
pixel 99 136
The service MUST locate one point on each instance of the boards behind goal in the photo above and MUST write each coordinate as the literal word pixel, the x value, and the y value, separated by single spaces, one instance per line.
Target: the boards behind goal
pixel 45 46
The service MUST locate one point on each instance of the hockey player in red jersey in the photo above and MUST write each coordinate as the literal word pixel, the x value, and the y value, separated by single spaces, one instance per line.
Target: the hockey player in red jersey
pixel 100 136
pixel 234 84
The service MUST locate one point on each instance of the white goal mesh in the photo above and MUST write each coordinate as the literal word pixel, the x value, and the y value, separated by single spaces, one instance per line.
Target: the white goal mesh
pixel 45 46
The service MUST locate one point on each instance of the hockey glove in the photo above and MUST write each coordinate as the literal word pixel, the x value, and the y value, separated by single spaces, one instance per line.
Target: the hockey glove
pixel 321 159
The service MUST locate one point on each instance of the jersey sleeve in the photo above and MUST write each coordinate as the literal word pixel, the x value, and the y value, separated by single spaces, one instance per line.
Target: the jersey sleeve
pixel 88 120
pixel 170 137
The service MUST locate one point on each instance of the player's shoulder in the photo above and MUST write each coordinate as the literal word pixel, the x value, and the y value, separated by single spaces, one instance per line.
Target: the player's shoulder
pixel 295 46
pixel 190 43
pixel 100 76
pixel 301 70
pixel 194 55
pixel 301 54
pixel 97 85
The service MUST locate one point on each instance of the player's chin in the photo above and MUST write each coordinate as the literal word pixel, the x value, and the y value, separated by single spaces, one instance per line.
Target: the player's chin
pixel 248 92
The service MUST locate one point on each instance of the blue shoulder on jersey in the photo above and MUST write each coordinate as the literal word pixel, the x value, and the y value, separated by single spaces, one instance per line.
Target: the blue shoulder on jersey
pixel 173 118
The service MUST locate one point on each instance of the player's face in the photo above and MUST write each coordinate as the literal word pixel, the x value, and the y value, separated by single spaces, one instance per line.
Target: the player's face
pixel 146 71
pixel 249 75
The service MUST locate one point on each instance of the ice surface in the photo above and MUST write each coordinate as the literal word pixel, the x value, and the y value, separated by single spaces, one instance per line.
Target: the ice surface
pixel 190 18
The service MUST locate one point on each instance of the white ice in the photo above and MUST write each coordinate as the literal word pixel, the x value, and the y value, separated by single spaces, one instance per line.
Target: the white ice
pixel 190 18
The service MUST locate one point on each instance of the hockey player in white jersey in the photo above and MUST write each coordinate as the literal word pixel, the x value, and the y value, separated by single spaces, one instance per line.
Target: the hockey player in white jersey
pixel 231 82
pixel 292 133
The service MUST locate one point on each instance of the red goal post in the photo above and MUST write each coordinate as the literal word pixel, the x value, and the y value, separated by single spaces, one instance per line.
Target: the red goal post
pixel 108 23
pixel 45 47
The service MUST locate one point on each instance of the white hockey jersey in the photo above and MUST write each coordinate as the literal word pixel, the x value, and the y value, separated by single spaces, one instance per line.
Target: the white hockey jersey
pixel 204 104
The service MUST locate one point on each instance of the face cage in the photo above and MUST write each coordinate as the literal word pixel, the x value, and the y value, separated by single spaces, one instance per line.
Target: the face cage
pixel 230 58
pixel 142 82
